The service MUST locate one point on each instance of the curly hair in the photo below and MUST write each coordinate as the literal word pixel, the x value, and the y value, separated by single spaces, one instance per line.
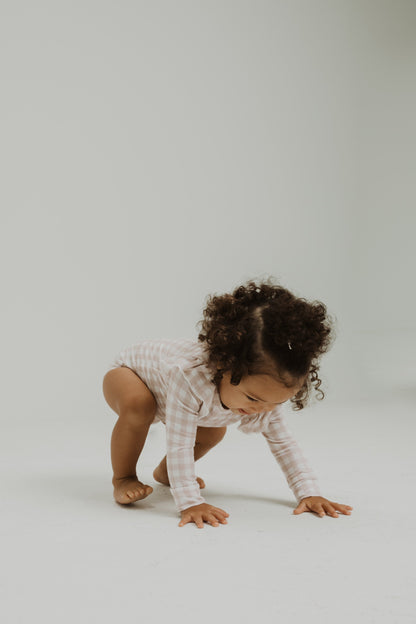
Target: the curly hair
pixel 263 329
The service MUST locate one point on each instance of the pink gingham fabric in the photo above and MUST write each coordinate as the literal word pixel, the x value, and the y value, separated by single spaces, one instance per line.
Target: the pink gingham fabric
pixel 175 372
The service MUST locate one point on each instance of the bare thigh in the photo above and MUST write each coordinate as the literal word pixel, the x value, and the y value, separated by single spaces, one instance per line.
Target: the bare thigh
pixel 125 391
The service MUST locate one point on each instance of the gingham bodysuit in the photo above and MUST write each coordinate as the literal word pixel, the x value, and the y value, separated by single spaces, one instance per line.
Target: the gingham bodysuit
pixel 175 372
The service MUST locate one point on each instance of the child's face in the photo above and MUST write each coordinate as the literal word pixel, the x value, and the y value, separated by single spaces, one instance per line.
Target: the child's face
pixel 254 393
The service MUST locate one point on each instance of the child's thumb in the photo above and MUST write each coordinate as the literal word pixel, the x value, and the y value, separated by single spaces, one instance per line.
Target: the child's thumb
pixel 299 509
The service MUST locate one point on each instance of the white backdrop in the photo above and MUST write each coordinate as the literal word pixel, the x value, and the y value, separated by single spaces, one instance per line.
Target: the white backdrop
pixel 153 153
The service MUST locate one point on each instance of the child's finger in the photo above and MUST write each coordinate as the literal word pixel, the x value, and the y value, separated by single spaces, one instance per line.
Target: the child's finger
pixel 197 520
pixel 345 509
pixel 331 511
pixel 300 508
pixel 185 520
pixel 213 520
pixel 341 505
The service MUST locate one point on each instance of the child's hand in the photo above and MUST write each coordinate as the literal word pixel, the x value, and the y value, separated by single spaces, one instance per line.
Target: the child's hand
pixel 199 513
pixel 321 506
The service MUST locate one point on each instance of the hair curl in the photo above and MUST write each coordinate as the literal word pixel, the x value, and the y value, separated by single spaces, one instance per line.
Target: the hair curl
pixel 263 329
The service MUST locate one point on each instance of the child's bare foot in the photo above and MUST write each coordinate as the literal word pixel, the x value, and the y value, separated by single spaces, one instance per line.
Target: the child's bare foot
pixel 130 489
pixel 160 474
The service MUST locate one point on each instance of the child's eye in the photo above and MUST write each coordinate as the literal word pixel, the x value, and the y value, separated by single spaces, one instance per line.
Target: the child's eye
pixel 251 399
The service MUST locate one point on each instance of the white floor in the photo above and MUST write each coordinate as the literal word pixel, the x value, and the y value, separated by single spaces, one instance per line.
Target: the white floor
pixel 71 554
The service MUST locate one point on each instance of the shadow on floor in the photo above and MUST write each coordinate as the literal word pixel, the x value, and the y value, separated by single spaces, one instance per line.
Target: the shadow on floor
pixel 95 490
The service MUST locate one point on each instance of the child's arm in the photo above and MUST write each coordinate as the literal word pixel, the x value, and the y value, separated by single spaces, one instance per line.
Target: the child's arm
pixel 182 408
pixel 299 475
pixel 287 452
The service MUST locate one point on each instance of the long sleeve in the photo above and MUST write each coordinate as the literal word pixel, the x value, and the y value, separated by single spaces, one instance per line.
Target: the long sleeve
pixel 182 408
pixel 299 475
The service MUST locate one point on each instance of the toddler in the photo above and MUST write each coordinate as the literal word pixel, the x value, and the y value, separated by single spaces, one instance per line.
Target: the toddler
pixel 258 347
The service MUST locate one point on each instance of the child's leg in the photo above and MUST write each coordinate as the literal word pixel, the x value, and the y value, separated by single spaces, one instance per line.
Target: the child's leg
pixel 206 439
pixel 135 405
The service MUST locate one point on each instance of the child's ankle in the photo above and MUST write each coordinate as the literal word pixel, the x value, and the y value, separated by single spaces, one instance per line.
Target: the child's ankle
pixel 118 479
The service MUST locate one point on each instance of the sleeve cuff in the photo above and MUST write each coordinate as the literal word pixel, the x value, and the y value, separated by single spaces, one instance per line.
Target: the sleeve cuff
pixel 187 496
pixel 306 488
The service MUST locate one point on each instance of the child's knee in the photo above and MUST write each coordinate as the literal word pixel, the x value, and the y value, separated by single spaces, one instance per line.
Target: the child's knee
pixel 125 393
pixel 138 410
